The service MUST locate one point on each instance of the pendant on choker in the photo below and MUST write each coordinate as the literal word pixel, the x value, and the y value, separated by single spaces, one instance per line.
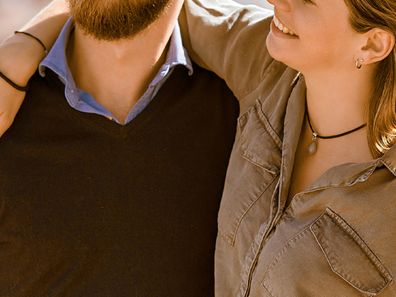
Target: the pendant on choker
pixel 313 146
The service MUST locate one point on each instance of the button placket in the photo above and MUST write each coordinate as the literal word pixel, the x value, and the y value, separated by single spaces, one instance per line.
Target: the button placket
pixel 253 253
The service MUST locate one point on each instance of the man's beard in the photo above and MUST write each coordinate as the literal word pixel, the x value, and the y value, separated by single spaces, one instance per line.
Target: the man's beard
pixel 115 19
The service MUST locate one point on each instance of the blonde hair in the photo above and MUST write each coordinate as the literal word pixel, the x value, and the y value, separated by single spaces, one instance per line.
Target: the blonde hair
pixel 364 16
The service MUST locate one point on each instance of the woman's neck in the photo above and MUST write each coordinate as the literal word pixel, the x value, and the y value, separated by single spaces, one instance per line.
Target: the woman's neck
pixel 338 101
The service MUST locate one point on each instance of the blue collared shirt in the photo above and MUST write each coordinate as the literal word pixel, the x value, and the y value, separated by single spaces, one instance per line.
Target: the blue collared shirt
pixel 80 100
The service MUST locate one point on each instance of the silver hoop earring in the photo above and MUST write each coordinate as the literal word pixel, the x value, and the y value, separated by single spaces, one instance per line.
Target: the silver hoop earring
pixel 359 63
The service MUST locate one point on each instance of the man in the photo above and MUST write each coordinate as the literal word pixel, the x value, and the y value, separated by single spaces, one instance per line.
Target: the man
pixel 111 176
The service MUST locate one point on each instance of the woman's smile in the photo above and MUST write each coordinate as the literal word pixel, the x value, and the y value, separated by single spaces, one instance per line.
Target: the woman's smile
pixel 282 27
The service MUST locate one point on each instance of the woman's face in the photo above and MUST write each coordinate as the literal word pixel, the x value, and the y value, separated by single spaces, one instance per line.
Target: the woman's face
pixel 316 35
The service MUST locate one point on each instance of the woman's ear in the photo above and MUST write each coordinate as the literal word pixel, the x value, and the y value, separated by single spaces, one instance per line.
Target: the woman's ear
pixel 379 44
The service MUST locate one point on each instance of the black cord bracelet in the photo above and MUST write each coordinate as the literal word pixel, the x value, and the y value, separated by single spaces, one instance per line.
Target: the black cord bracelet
pixel 35 38
pixel 12 84
pixel 9 81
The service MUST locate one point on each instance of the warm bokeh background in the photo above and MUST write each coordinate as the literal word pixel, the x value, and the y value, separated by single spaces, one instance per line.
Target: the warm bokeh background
pixel 14 13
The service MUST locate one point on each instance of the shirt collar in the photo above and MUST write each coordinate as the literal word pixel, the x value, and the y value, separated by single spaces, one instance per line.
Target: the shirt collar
pixel 389 159
pixel 351 173
pixel 177 54
pixel 56 59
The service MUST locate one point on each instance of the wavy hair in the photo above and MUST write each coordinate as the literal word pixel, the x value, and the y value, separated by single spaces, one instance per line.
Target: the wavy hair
pixel 364 16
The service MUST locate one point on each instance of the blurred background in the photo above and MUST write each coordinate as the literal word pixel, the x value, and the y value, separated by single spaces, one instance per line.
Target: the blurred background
pixel 14 13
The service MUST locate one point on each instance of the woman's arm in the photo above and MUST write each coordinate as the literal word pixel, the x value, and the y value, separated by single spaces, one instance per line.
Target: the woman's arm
pixel 20 56
pixel 229 39
pixel 226 37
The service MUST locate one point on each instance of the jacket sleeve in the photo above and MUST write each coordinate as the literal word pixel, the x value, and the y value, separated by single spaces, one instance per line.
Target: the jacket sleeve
pixel 229 39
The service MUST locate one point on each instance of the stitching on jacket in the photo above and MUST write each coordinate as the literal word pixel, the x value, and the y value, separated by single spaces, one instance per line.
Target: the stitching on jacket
pixel 258 241
pixel 256 247
pixel 267 124
pixel 302 197
pixel 231 238
pixel 285 248
pixel 332 260
pixel 389 166
pixel 244 140
pixel 250 158
pixel 269 291
pixel 280 254
pixel 257 108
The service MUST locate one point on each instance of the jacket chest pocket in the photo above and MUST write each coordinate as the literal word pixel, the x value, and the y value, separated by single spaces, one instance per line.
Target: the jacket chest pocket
pixel 326 259
pixel 251 178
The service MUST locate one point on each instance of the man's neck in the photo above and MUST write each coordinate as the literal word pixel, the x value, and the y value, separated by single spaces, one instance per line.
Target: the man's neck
pixel 117 73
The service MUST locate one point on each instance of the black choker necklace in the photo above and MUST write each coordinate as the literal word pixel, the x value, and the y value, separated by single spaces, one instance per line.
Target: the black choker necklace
pixel 312 148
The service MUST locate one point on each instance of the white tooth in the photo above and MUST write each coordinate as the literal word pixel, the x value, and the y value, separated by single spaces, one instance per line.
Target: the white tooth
pixel 280 26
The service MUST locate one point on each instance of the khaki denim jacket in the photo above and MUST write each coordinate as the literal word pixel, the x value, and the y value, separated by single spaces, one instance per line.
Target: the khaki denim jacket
pixel 335 239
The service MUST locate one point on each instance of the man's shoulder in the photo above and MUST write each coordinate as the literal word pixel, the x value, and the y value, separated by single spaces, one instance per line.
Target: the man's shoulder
pixel 41 84
pixel 46 94
pixel 209 78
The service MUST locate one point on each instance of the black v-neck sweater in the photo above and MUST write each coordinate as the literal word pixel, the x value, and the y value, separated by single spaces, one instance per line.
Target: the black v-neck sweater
pixel 93 209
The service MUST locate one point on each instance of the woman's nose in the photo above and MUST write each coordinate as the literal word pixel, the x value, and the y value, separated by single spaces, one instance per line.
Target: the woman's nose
pixel 283 5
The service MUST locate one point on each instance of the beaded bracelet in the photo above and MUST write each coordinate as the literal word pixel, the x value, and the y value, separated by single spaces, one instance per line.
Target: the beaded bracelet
pixel 8 80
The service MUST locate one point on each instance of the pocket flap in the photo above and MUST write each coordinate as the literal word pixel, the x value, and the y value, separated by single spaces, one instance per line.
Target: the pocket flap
pixel 348 255
pixel 259 143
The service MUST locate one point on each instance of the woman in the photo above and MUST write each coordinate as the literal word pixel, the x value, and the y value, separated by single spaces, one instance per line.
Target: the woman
pixel 308 206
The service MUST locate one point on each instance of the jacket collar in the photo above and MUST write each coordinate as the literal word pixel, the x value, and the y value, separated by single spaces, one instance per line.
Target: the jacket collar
pixel 389 159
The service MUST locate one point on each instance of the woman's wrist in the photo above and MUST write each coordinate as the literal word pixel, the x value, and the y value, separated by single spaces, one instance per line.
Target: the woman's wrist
pixel 20 54
pixel 20 57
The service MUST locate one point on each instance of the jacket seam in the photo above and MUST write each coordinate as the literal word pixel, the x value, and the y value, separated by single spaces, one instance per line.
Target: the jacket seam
pixel 231 239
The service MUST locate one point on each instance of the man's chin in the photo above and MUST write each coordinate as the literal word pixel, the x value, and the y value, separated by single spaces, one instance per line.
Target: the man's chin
pixel 105 37
pixel 118 20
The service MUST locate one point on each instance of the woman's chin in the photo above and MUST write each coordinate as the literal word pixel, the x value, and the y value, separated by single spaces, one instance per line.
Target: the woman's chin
pixel 280 53
pixel 275 51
